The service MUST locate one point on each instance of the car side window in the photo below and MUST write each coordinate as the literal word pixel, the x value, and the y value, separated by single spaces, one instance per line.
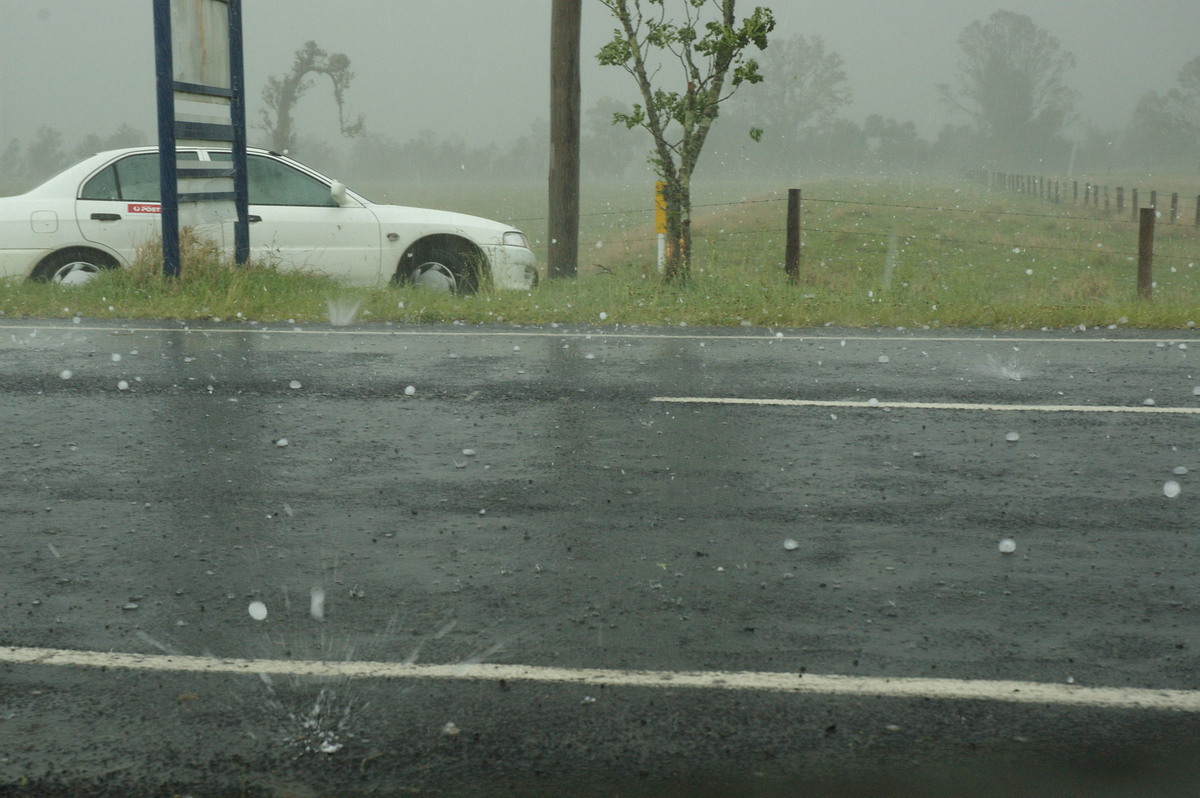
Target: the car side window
pixel 272 182
pixel 134 178
pixel 102 186
pixel 275 183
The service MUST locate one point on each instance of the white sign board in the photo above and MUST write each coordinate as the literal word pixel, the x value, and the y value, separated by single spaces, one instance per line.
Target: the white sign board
pixel 200 42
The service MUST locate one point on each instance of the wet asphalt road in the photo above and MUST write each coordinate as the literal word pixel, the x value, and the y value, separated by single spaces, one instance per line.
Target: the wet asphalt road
pixel 517 496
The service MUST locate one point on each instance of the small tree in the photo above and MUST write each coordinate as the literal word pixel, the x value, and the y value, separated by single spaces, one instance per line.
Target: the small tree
pixel 708 52
pixel 281 94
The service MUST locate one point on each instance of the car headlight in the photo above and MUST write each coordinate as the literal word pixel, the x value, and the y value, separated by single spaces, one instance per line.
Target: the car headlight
pixel 515 238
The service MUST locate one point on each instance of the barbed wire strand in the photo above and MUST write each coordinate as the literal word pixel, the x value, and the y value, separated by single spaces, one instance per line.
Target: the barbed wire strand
pixel 935 239
pixel 897 205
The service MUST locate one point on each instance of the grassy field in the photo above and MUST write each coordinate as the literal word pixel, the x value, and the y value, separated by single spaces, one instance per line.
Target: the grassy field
pixel 876 253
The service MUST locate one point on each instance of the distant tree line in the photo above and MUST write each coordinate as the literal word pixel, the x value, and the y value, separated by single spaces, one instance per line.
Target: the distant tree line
pixel 25 164
pixel 1011 87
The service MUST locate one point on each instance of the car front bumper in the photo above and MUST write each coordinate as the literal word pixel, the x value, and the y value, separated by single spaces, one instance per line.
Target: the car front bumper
pixel 513 268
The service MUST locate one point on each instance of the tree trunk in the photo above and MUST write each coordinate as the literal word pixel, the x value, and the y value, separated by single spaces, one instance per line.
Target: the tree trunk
pixel 677 266
pixel 289 90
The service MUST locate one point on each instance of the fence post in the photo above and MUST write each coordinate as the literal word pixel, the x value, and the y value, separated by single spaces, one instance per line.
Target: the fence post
pixel 1145 251
pixel 1174 207
pixel 1087 194
pixel 1135 204
pixel 1120 199
pixel 1074 192
pixel 1106 205
pixel 1154 199
pixel 792 255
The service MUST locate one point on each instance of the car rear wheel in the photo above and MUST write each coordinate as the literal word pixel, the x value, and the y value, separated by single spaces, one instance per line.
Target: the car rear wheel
pixel 71 267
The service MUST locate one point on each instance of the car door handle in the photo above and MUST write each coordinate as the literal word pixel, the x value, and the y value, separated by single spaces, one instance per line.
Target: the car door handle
pixel 107 217
pixel 252 218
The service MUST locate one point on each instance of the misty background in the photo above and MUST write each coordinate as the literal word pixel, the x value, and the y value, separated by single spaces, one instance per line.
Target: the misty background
pixel 459 89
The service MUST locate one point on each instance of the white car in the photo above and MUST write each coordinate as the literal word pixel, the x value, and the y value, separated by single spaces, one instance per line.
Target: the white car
pixel 97 213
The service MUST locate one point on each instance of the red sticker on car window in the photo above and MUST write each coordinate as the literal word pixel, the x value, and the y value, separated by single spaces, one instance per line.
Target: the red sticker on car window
pixel 144 207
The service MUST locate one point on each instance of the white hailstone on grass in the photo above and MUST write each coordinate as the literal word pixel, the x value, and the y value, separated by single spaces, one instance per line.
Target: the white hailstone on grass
pixel 1012 437
pixel 1171 489
pixel 1008 546
pixel 410 390
pixel 1148 402
pixel 294 384
pixel 258 611
pixel 116 358
pixel 884 359
pixel 282 442
pixel 790 544
pixel 66 374
pixel 1179 470
pixel 122 386
pixel 603 315
pixel 316 605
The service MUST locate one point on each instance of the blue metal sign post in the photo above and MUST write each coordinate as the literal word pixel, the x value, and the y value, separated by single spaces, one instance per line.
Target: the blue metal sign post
pixel 201 95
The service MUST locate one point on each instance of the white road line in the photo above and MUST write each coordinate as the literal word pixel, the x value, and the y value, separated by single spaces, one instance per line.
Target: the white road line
pixel 316 328
pixel 947 689
pixel 868 405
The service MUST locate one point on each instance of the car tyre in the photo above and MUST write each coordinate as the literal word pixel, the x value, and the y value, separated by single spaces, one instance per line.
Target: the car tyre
pixel 71 266
pixel 443 270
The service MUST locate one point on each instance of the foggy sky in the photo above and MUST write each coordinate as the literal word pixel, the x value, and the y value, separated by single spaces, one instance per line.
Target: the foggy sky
pixel 479 69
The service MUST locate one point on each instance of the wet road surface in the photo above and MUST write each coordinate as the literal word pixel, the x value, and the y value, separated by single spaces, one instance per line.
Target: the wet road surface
pixel 574 583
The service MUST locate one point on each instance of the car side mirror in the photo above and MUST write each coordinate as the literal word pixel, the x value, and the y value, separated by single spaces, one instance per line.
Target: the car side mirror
pixel 337 190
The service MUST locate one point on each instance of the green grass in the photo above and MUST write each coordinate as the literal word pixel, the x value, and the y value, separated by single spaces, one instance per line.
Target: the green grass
pixel 877 253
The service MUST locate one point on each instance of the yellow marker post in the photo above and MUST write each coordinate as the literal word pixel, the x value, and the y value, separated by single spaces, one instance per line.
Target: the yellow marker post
pixel 660 222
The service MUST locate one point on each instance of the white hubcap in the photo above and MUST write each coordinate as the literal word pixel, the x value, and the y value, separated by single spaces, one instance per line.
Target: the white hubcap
pixel 435 277
pixel 76 273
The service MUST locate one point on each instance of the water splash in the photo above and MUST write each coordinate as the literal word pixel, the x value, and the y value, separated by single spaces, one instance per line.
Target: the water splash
pixel 314 724
pixel 342 311
pixel 1010 368
pixel 889 264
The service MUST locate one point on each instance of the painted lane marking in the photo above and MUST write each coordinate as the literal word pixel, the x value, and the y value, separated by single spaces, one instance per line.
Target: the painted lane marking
pixel 947 689
pixel 591 333
pixel 867 405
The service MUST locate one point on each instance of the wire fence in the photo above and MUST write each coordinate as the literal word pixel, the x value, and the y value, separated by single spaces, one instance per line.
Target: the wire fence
pixel 1119 227
pixel 1099 197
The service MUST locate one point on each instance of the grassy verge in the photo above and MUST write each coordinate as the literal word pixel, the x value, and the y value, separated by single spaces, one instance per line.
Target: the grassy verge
pixel 877 253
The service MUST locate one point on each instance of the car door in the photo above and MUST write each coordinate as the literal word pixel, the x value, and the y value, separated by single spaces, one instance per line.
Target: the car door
pixel 118 206
pixel 296 224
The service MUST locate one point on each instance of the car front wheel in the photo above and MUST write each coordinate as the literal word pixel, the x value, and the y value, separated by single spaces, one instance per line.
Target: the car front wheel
pixel 71 267
pixel 442 263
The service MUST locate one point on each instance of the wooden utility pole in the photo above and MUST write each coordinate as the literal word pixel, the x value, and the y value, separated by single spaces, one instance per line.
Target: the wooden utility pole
pixel 563 231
